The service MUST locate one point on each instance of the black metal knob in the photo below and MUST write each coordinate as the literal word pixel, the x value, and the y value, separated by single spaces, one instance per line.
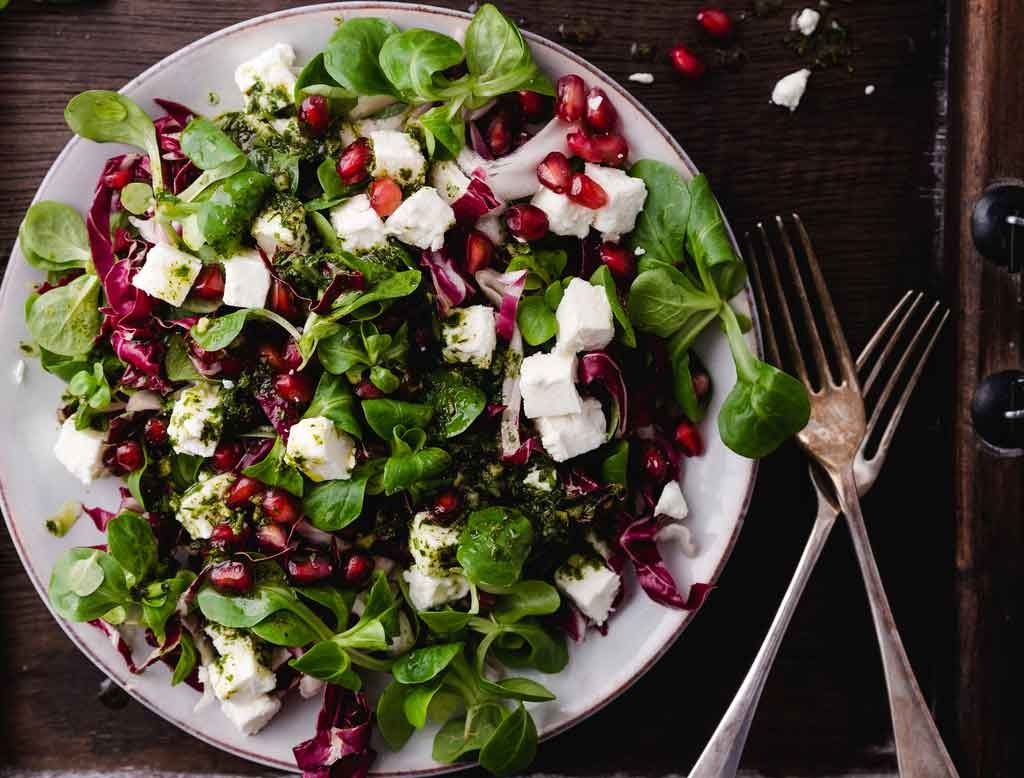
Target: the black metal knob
pixel 997 225
pixel 997 411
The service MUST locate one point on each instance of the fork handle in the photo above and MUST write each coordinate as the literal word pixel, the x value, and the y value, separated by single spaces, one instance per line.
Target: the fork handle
pixel 721 756
pixel 920 751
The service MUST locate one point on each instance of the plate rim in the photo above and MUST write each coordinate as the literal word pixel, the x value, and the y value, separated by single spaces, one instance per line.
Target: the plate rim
pixel 39 582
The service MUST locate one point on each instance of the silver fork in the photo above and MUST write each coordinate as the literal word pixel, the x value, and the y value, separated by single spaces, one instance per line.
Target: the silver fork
pixel 922 754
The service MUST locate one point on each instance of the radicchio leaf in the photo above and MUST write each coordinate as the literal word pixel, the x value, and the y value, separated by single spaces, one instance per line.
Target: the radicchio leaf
pixel 598 367
pixel 638 542
pixel 522 454
pixel 343 281
pixel 341 745
pixel 449 285
pixel 281 414
pixel 100 517
pixel 504 290
pixel 478 200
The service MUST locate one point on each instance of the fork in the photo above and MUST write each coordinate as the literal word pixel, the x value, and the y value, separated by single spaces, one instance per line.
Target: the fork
pixel 919 747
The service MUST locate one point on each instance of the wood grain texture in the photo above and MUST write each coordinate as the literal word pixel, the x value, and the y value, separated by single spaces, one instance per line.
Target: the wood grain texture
pixel 860 171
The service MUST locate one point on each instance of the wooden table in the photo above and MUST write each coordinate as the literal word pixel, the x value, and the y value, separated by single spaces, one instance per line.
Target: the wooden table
pixel 869 175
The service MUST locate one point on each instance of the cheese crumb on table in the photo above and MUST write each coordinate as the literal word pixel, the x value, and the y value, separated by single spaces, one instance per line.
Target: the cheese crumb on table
pixel 869 89
pixel 806 22
pixel 641 78
pixel 790 89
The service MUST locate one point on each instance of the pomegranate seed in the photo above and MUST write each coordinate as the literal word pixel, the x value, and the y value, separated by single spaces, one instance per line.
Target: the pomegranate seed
pixel 271 356
pixel 499 135
pixel 281 300
pixel 686 63
pixel 570 98
pixel 689 439
pixel 292 356
pixel 225 536
pixel 487 600
pixel 610 149
pixel 128 456
pixel 385 196
pixel 479 251
pixel 155 431
pixel 701 384
pixel 526 222
pixel 619 260
pixel 366 391
pixel 357 569
pixel 446 502
pixel 231 576
pixel 242 491
pixel 310 569
pixel 354 163
pixel 554 172
pixel 294 387
pixel 532 104
pixel 272 538
pixel 226 456
pixel 601 114
pixel 655 464
pixel 587 192
pixel 119 179
pixel 716 23
pixel 281 507
pixel 315 114
pixel 209 284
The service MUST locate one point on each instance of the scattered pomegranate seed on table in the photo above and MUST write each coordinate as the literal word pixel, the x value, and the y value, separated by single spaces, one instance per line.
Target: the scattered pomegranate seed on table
pixel 232 576
pixel 526 222
pixel 314 115
pixel 570 98
pixel 686 63
pixel 716 23
pixel 354 163
pixel 385 196
pixel 587 192
pixel 554 172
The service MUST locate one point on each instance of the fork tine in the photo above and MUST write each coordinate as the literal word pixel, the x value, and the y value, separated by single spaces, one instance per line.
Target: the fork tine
pixel 872 344
pixel 894 378
pixel 762 304
pixel 842 349
pixel 817 348
pixel 892 339
pixel 787 319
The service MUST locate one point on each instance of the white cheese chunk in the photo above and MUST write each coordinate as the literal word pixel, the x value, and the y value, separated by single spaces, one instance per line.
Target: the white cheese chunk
pixel 626 196
pixel 433 545
pixel 590 585
pixel 310 687
pixel 202 507
pixel 641 78
pixel 790 89
pixel 564 216
pixel 267 79
pixel 422 219
pixel 240 680
pixel 671 502
pixel 251 714
pixel 548 385
pixel 541 478
pixel 584 318
pixel 320 450
pixel 246 280
pixel 167 274
pixel 470 335
pixel 806 21
pixel 572 434
pixel 80 451
pixel 358 226
pixel 431 591
pixel 449 181
pixel 276 231
pixel 398 156
pixel 197 419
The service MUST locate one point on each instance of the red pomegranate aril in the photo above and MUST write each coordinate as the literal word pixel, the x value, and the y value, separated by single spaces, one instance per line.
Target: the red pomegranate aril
pixel 272 538
pixel 526 222
pixel 655 464
pixel 531 104
pixel 479 251
pixel 701 384
pixel 601 114
pixel 209 284
pixel 155 431
pixel 271 356
pixel 611 149
pixel 554 172
pixel 366 391
pixel 587 192
pixel 242 492
pixel 715 23
pixel 354 164
pixel 294 387
pixel 233 576
pixel 570 98
pixel 446 503
pixel 227 455
pixel 385 196
pixel 128 456
pixel 619 260
pixel 487 601
pixel 310 568
pixel 281 300
pixel 119 179
pixel 281 507
pixel 686 63
pixel 689 439
pixel 356 570
pixel 292 356
pixel 225 536
pixel 499 135
pixel 314 114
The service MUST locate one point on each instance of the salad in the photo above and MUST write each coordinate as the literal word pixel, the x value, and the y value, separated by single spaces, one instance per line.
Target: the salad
pixel 395 365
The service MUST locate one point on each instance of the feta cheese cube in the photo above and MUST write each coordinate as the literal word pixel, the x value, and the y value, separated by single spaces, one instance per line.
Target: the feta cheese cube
pixel 671 502
pixel 590 585
pixel 267 80
pixel 433 545
pixel 246 280
pixel 391 122
pixel 564 216
pixel 320 450
pixel 641 78
pixel 806 21
pixel 398 156
pixel 541 478
pixel 251 714
pixel 626 196
pixel 548 384
pixel 279 228
pixel 202 507
pixel 238 669
pixel 197 419
pixel 167 274
pixel 430 591
pixel 470 335
pixel 584 318
pixel 572 434
pixel 422 219
pixel 358 226
pixel 449 181
pixel 80 451
pixel 310 687
pixel 790 89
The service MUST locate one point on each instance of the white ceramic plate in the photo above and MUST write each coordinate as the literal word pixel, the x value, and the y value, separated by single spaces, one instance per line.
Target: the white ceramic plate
pixel 33 485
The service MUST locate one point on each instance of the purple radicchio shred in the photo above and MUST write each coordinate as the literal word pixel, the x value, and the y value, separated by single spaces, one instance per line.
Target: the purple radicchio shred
pixel 449 285
pixel 638 542
pixel 181 114
pixel 256 451
pixel 478 200
pixel 578 484
pixel 100 516
pixel 343 281
pixel 598 367
pixel 341 746
pixel 478 143
pixel 522 454
pixel 172 640
pixel 504 290
pixel 279 412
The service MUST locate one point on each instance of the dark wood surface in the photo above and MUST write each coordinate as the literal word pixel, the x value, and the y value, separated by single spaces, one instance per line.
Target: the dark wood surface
pixel 867 174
